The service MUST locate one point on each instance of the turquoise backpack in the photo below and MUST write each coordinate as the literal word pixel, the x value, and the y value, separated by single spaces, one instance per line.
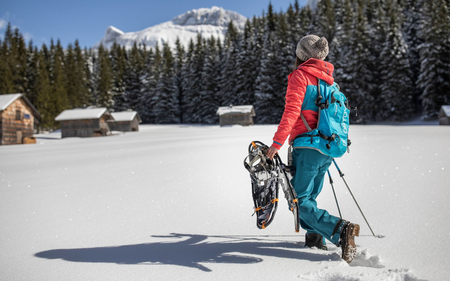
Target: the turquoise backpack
pixel 331 135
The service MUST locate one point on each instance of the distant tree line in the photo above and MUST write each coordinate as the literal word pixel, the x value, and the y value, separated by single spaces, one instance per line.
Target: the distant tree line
pixel 391 58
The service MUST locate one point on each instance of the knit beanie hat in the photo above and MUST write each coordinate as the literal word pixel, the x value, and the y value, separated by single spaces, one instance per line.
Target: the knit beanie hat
pixel 312 46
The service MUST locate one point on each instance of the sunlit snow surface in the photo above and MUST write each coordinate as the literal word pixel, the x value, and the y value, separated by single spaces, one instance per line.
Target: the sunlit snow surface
pixel 174 203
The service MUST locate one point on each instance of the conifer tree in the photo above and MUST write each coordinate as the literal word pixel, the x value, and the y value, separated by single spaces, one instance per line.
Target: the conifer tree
pixel 31 72
pixel 411 30
pixel 58 79
pixel 178 78
pixel 7 62
pixel 192 80
pixel 209 84
pixel 357 81
pixel 246 66
pixel 133 81
pixel 166 99
pixel 148 80
pixel 434 52
pixel 102 82
pixel 268 104
pixel 325 19
pixel 395 101
pixel 44 103
pixel 186 73
pixel 228 80
pixel 118 66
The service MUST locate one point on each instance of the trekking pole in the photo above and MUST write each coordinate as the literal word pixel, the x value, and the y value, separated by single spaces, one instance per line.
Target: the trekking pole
pixel 334 192
pixel 342 176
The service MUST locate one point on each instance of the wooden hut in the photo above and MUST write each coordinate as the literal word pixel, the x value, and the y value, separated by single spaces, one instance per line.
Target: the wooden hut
pixel 239 115
pixel 84 123
pixel 125 121
pixel 17 119
pixel 444 115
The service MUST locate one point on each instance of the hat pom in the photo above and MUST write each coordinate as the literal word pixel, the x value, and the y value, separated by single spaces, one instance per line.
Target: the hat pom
pixel 321 44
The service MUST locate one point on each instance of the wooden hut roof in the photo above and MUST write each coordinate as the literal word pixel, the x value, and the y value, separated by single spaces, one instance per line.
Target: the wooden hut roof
pixel 7 100
pixel 236 109
pixel 125 116
pixel 445 109
pixel 79 114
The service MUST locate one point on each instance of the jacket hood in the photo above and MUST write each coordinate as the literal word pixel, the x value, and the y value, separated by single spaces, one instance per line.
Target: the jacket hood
pixel 320 69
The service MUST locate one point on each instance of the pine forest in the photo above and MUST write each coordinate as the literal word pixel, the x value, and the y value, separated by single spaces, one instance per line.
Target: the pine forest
pixel 391 59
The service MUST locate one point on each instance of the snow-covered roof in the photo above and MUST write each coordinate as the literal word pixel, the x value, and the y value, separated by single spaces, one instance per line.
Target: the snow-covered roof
pixel 446 110
pixel 236 109
pixel 125 116
pixel 7 100
pixel 77 114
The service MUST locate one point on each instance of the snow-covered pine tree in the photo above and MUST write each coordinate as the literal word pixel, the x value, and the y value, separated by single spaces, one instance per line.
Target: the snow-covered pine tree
pixel 149 80
pixel 246 67
pixel 192 80
pixel 380 24
pixel 103 80
pixel 268 104
pixel 118 57
pixel 132 79
pixel 395 100
pixel 166 99
pixel 434 52
pixel 286 55
pixel 179 62
pixel 357 78
pixel 411 29
pixel 338 46
pixel 186 83
pixel 228 79
pixel 209 101
pixel 31 74
pixel 324 18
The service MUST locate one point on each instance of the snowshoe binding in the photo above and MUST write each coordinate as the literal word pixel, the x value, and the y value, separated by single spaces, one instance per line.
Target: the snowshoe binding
pixel 266 176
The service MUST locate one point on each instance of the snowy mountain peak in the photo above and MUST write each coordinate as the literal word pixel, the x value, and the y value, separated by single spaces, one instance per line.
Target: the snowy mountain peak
pixel 206 21
pixel 216 16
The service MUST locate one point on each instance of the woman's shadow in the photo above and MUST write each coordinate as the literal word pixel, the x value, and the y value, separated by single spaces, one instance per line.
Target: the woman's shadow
pixel 190 252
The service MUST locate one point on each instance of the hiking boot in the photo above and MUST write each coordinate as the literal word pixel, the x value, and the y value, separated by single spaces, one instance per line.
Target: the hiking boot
pixel 347 241
pixel 315 240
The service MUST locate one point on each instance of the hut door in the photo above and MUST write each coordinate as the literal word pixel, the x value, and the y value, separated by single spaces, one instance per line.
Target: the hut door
pixel 19 136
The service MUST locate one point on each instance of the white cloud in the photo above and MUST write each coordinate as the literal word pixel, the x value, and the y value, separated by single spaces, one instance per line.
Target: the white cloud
pixel 3 24
pixel 27 36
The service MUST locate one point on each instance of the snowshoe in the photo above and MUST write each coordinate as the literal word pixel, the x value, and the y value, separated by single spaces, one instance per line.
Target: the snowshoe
pixel 266 176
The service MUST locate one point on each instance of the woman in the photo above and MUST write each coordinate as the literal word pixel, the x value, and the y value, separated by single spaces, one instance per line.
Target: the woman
pixel 311 165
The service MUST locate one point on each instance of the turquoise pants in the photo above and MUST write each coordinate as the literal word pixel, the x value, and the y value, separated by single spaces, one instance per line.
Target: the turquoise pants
pixel 310 168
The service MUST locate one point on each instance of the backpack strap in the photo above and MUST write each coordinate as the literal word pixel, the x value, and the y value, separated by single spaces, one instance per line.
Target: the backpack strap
pixel 301 113
pixel 304 121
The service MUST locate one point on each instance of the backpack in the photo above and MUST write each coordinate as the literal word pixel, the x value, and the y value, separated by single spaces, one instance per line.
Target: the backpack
pixel 331 135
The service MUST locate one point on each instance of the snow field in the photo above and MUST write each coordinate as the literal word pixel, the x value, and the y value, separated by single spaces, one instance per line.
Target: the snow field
pixel 174 203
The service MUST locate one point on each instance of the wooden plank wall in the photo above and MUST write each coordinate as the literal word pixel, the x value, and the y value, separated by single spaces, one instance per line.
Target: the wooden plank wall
pixel 125 126
pixel 232 119
pixel 84 128
pixel 13 131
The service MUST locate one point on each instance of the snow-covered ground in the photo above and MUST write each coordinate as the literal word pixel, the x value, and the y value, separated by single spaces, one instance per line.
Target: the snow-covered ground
pixel 174 203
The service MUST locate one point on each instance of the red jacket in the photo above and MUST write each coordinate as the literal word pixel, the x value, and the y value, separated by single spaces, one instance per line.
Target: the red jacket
pixel 301 81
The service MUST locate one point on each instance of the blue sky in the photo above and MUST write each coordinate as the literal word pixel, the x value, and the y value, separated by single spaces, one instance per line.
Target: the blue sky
pixel 42 20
